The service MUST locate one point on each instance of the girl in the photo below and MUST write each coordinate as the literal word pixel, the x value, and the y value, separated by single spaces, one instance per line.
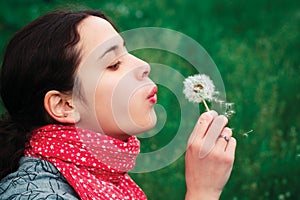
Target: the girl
pixel 75 99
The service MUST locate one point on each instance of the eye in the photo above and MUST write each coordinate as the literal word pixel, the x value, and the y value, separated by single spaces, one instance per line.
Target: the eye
pixel 114 66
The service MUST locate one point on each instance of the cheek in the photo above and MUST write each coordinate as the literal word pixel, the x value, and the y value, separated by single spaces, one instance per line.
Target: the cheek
pixel 103 107
pixel 123 109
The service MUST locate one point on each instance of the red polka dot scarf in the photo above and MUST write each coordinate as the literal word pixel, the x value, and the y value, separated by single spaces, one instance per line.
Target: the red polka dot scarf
pixel 95 165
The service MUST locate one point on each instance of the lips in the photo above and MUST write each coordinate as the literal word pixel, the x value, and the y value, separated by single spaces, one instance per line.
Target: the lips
pixel 152 97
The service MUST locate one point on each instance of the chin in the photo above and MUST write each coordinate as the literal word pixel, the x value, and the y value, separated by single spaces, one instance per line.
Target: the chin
pixel 149 124
pixel 152 121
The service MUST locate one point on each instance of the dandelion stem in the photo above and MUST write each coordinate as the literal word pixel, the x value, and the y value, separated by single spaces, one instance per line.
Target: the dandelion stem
pixel 204 102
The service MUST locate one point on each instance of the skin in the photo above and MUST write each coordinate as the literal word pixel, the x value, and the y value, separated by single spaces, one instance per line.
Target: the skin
pixel 114 100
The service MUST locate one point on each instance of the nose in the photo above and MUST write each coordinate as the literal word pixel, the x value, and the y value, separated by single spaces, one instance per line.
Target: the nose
pixel 144 71
pixel 142 68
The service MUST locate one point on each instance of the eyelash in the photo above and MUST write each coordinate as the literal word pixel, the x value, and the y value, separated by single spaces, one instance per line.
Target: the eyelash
pixel 115 66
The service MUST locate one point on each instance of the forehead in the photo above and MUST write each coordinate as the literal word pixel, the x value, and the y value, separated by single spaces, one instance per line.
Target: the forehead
pixel 94 31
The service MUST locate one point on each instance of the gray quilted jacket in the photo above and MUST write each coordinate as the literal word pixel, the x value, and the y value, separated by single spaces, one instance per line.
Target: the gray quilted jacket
pixel 36 179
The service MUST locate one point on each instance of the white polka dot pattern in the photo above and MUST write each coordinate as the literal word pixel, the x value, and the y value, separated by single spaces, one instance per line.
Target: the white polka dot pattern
pixel 95 165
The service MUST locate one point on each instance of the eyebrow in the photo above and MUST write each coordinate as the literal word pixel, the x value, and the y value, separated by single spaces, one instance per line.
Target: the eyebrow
pixel 112 48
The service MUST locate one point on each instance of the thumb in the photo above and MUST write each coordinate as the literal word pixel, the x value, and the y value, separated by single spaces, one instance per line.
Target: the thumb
pixel 212 135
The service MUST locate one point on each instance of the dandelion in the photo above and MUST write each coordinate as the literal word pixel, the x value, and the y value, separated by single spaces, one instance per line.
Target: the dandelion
pixel 199 88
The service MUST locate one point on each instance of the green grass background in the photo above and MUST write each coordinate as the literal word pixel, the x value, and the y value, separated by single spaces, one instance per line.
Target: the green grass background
pixel 256 46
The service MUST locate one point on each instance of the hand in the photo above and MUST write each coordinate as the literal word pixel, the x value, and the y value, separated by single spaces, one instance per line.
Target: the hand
pixel 209 157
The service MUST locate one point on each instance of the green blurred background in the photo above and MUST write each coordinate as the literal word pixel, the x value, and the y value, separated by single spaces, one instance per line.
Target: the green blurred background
pixel 256 46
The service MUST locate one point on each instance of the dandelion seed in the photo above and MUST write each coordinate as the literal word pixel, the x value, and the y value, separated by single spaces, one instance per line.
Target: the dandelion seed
pixel 247 133
pixel 229 111
pixel 199 88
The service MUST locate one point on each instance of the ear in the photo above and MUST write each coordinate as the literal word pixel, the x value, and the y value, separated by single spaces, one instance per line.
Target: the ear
pixel 60 107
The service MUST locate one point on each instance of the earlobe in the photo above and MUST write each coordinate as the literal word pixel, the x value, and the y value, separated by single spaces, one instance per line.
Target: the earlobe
pixel 59 107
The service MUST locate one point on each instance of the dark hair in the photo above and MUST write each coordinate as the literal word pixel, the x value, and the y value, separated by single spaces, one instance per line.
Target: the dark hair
pixel 42 56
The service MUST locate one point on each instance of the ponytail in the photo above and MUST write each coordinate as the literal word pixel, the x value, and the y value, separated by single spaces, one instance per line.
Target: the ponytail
pixel 12 140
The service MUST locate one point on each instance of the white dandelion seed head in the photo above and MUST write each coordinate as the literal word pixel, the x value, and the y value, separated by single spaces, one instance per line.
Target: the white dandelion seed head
pixel 198 88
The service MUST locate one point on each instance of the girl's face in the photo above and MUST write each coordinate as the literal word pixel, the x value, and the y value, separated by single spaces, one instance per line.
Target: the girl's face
pixel 117 96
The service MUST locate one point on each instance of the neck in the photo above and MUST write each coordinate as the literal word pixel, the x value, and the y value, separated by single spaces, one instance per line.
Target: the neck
pixel 123 137
pixel 120 135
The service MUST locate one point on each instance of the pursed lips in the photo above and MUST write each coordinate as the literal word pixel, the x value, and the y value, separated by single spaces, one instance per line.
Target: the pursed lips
pixel 152 95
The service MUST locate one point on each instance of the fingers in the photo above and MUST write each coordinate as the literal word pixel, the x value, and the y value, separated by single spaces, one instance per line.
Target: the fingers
pixel 212 135
pixel 228 153
pixel 224 139
pixel 230 148
pixel 226 147
pixel 202 125
pixel 216 127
